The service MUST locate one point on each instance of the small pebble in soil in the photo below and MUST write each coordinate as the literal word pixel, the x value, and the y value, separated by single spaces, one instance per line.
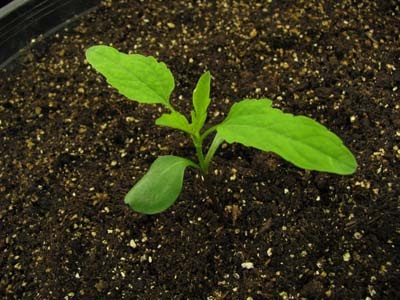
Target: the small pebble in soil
pixel 247 265
pixel 346 256
pixel 253 33
pixel 283 295
pixel 171 25
pixel 132 244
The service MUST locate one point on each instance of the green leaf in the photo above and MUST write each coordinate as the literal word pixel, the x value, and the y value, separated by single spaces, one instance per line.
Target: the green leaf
pixel 174 120
pixel 201 100
pixel 298 139
pixel 135 76
pixel 160 186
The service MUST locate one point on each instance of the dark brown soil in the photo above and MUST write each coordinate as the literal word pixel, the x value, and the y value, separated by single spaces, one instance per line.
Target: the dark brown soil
pixel 256 227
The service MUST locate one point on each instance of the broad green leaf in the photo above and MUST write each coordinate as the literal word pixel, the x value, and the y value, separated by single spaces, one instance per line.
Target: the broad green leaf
pixel 135 76
pixel 201 100
pixel 298 139
pixel 160 186
pixel 174 120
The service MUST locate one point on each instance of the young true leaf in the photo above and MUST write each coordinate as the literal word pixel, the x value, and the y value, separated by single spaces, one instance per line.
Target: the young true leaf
pixel 135 76
pixel 298 139
pixel 201 100
pixel 160 186
pixel 175 120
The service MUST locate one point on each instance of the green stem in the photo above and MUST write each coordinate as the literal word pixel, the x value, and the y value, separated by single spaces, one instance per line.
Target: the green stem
pixel 207 132
pixel 199 152
pixel 217 141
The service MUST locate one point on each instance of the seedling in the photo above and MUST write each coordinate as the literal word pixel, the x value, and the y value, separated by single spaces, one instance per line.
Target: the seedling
pixel 253 123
